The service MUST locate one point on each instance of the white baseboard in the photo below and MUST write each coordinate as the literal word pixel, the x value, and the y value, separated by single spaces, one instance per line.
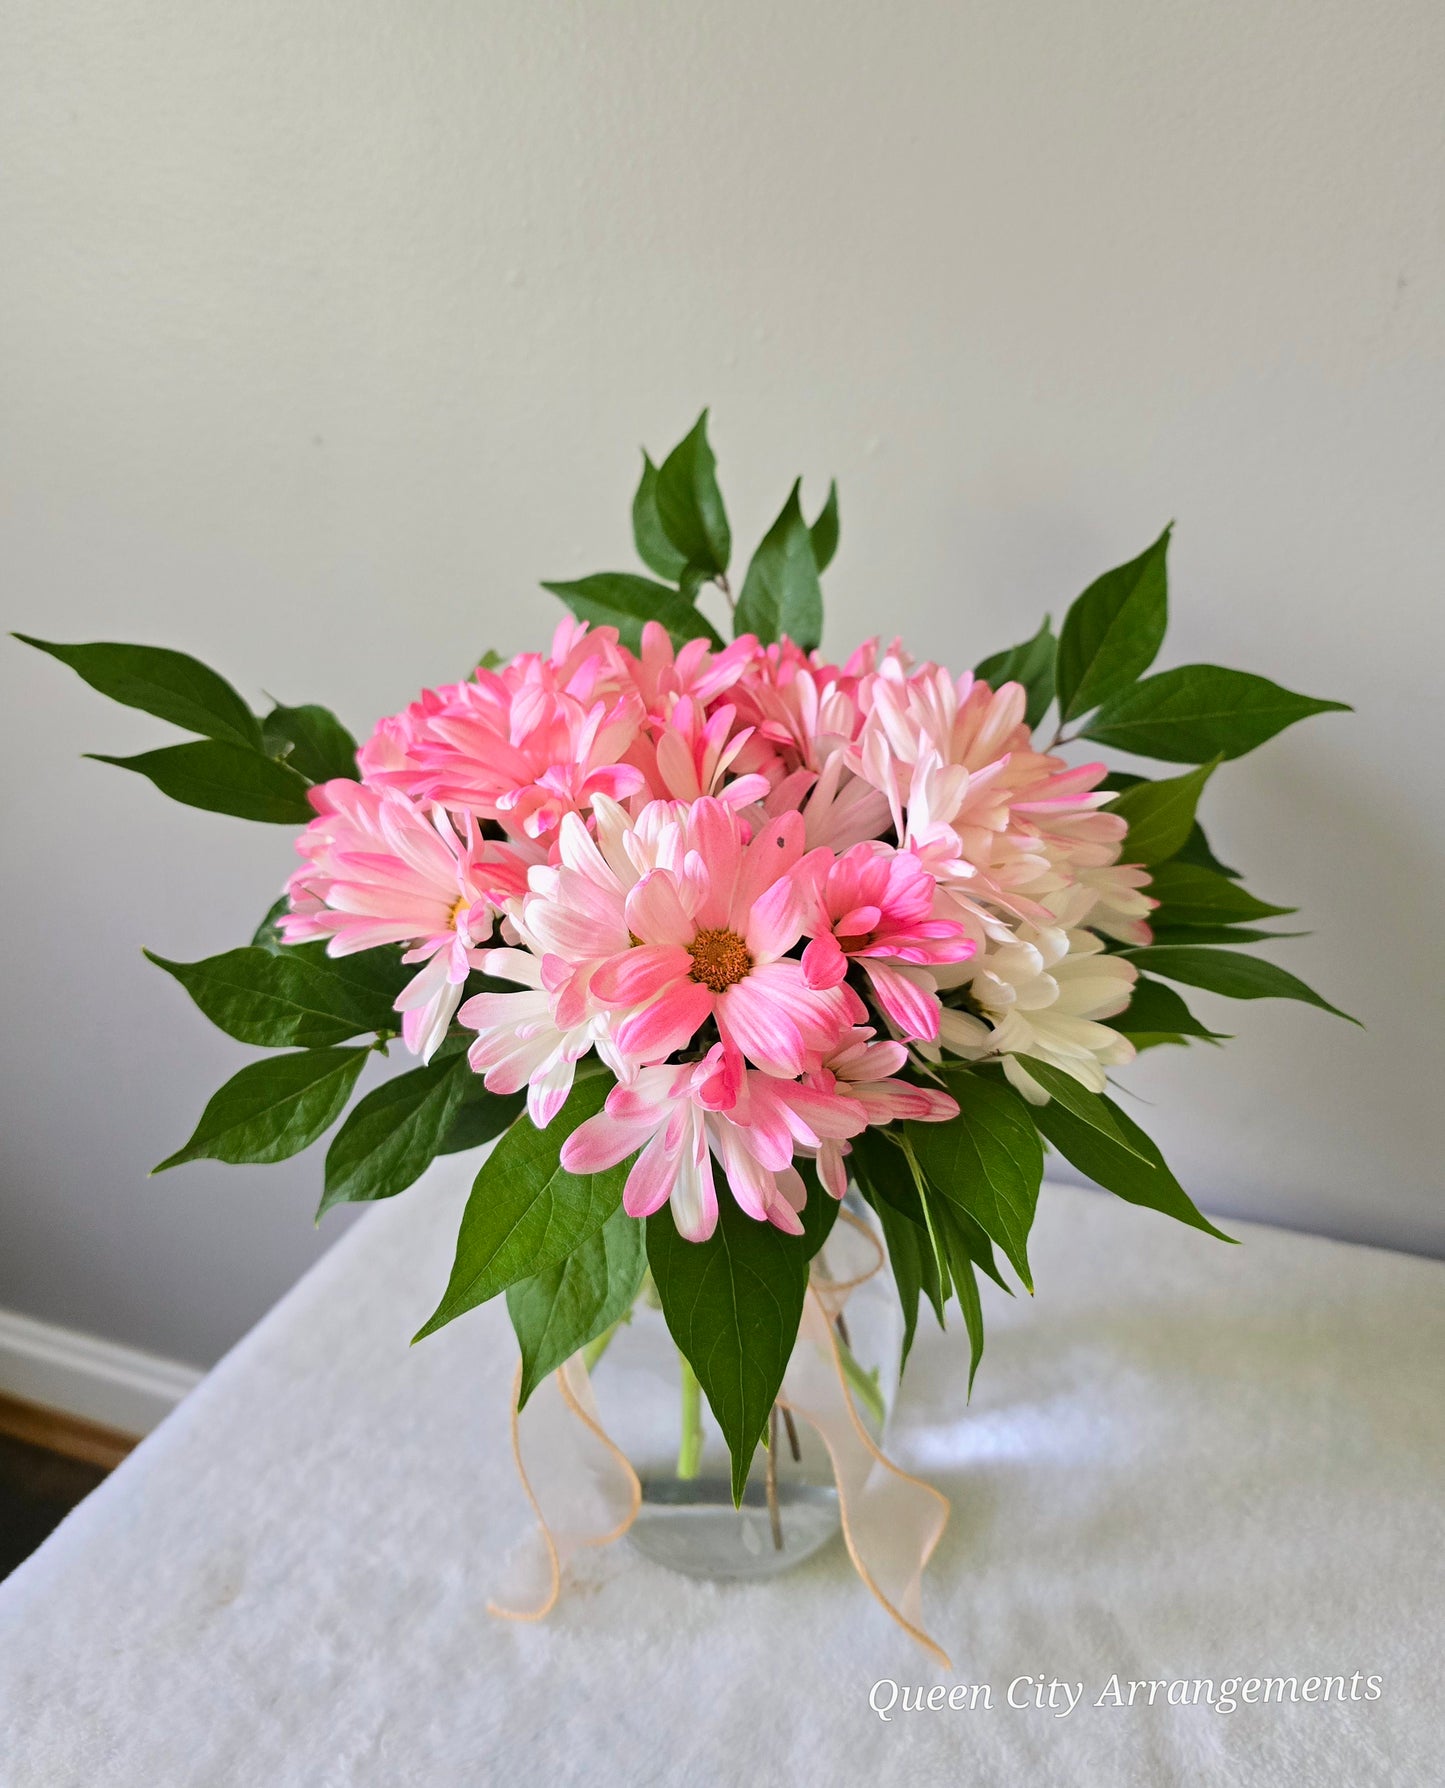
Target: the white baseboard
pixel 99 1381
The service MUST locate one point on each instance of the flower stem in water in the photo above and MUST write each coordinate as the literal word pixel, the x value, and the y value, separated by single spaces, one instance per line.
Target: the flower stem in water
pixel 689 1451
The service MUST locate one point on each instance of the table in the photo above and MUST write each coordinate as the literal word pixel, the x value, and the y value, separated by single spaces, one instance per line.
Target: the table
pixel 1182 1461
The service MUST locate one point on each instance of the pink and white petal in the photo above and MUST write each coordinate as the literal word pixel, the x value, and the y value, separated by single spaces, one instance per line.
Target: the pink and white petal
pixel 656 914
pixel 774 922
pixel 669 1023
pixel 547 1091
pixel 694 1197
pixel 913 1007
pixel 634 976
pixel 653 1175
pixel 824 964
pixel 601 1142
pixel 750 1018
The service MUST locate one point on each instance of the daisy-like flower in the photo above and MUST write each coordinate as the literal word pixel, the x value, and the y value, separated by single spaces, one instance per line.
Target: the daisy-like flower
pixel 862 1070
pixel 381 870
pixel 876 905
pixel 1046 995
pixel 680 1115
pixel 710 937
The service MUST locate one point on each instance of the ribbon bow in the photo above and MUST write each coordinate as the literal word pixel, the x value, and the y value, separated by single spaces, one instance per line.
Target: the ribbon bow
pixel 585 1492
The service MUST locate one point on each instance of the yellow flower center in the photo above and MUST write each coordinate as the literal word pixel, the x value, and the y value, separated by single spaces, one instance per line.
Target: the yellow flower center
pixel 459 912
pixel 719 959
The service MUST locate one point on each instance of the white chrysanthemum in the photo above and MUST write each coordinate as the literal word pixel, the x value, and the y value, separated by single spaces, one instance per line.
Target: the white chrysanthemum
pixel 1044 994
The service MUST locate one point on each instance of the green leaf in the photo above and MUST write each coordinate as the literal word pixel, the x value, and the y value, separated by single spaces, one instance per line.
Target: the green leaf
pixel 1218 934
pixel 690 505
pixel 526 1212
pixel 560 1310
pixel 987 1161
pixel 1190 895
pixel 1201 711
pixel 965 1283
pixel 1088 1107
pixel 824 532
pixel 394 1134
pixel 1158 1010
pixel 909 1256
pixel 1236 977
pixel 481 1116
pixel 293 997
pixel 1112 632
pixel 882 1175
pixel 222 779
pixel 1160 815
pixel 820 1212
pixel 1137 1173
pixel 621 600
pixel 171 685
pixel 781 596
pixel 312 740
pixel 653 546
pixel 733 1304
pixel 273 1109
pixel 1031 664
pixel 1195 849
pixel 267 935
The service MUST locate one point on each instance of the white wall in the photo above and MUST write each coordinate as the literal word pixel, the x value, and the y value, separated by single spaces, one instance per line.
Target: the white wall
pixel 326 330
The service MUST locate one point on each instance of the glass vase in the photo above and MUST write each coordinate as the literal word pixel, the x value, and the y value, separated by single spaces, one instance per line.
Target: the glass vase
pixel 651 1406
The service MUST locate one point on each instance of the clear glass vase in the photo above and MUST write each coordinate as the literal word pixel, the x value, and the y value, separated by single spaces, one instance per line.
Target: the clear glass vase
pixel 648 1401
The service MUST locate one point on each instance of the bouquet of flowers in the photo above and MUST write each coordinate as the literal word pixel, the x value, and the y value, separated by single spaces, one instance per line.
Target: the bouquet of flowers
pixel 704 931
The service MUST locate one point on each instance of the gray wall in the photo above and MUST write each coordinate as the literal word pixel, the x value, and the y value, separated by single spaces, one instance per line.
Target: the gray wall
pixel 325 331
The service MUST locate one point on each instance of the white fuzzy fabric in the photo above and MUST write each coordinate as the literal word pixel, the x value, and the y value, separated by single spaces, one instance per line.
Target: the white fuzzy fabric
pixel 1182 1461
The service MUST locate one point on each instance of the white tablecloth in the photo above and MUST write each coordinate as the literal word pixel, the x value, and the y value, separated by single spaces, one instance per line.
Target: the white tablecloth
pixel 1183 1461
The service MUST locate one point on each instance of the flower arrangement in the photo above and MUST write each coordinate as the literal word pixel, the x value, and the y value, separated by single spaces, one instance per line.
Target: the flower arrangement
pixel 704 931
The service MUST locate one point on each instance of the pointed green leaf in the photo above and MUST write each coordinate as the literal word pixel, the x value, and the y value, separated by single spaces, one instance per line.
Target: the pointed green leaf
pixel 273 1109
pixel 312 740
pixel 1190 895
pixel 293 996
pixel 1156 1009
pixel 171 685
pixel 824 531
pixel 1088 1107
pixel 881 1173
pixel 1195 849
pixel 526 1212
pixel 781 596
pixel 621 600
pixel 222 779
pixel 1160 815
pixel 1236 977
pixel 480 1116
pixel 1031 664
pixel 394 1134
pixel 690 505
pixel 1217 934
pixel 820 1212
pixel 987 1161
pixel 1201 711
pixel 733 1304
pixel 558 1311
pixel 965 1283
pixel 653 546
pixel 1137 1173
pixel 1112 632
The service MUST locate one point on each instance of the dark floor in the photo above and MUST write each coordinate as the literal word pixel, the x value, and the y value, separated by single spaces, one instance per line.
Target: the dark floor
pixel 38 1489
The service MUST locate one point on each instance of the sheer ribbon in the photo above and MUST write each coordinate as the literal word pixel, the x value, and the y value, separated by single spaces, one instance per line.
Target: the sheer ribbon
pixel 584 1492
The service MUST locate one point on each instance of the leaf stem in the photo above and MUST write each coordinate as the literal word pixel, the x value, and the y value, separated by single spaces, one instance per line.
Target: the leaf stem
pixel 595 1348
pixel 689 1450
pixel 722 583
